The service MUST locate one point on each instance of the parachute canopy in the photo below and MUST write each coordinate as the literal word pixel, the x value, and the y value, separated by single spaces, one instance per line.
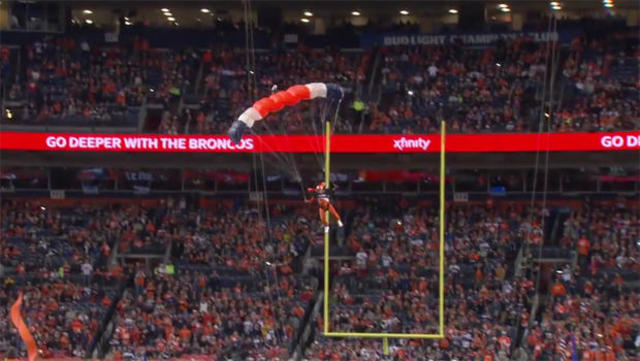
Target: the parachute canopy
pixel 279 100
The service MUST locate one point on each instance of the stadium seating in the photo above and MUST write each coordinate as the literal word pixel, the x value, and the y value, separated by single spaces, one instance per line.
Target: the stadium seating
pixel 145 276
pixel 597 304
pixel 69 82
pixel 231 299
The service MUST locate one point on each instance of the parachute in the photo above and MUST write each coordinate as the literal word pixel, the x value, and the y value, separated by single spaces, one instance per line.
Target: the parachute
pixel 277 101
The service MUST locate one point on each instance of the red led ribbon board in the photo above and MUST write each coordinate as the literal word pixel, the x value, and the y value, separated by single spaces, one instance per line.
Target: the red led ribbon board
pixel 426 143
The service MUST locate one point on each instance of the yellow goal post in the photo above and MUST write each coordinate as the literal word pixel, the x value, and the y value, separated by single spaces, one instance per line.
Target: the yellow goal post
pixel 386 336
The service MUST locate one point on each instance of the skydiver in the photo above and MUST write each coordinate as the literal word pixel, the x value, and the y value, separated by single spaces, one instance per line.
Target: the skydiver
pixel 321 193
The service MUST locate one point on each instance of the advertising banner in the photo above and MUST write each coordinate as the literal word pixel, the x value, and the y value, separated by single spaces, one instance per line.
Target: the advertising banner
pixel 468 39
pixel 419 143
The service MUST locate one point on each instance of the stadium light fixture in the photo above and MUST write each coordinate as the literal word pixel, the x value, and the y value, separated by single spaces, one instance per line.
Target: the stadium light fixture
pixel 205 10
pixel 498 65
pixel 308 14
pixel 609 5
pixel 304 20
pixel 505 10
pixel 168 14
pixel 87 12
pixel 404 12
pixel 171 18
pixel 127 22
pixel 89 21
pixel 164 10
pixel 355 13
pixel 502 6
pixel 453 11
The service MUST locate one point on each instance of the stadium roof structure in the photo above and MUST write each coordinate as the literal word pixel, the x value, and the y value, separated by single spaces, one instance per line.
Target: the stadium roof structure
pixel 189 13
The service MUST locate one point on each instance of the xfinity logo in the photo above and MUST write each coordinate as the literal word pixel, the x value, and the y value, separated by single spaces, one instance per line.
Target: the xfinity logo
pixel 404 143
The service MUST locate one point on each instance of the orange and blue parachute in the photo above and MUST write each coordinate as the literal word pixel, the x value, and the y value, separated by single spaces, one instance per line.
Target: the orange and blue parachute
pixel 293 95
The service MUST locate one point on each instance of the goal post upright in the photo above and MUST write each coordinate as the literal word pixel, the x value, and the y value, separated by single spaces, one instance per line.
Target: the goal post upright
pixel 443 135
pixel 327 179
pixel 441 238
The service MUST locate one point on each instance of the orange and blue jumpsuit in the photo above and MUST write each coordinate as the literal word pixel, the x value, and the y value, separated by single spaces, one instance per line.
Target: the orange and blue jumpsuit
pixel 321 194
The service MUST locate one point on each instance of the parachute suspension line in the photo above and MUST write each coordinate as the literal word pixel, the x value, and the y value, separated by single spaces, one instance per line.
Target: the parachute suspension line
pixel 250 57
pixel 548 85
pixel 288 160
pixel 250 65
pixel 279 100
pixel 554 70
pixel 251 85
pixel 249 69
pixel 285 158
pixel 264 200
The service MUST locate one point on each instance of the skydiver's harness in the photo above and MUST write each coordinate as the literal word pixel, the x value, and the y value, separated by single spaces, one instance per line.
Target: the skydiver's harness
pixel 322 194
pixel 323 198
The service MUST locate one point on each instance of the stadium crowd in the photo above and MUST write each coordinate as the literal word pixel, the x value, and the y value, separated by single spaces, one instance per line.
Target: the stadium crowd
pixel 220 278
pixel 495 89
pixel 391 285
pixel 237 260
pixel 57 258
pixel 240 239
pixel 237 292
pixel 234 295
pixel 225 93
pixel 194 313
pixel 596 306
pixel 498 88
pixel 44 242
pixel 70 81
pixel 63 315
